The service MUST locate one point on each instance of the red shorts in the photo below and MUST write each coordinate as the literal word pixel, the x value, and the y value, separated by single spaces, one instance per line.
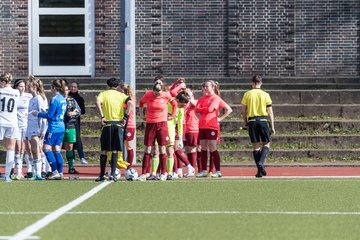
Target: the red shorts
pixel 208 134
pixel 156 131
pixel 130 134
pixel 191 139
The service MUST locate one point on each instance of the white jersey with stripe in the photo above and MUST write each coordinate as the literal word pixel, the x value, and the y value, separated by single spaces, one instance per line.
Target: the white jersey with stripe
pixel 22 109
pixel 9 99
pixel 38 104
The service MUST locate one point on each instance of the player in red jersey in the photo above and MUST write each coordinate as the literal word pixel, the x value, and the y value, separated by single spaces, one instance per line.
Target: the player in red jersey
pixel 208 107
pixel 191 131
pixel 156 125
pixel 130 125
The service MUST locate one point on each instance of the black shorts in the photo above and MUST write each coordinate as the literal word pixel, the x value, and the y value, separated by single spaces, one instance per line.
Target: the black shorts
pixel 259 130
pixel 112 137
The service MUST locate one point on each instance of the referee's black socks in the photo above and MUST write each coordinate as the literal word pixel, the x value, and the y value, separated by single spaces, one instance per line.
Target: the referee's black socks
pixel 102 164
pixel 264 152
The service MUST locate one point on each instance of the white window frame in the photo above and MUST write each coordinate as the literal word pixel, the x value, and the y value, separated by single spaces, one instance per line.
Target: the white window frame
pixel 35 40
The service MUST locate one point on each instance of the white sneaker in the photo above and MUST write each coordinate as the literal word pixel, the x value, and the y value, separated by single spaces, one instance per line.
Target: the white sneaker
pixel 179 172
pixel 7 179
pixel 54 176
pixel 216 175
pixel 202 174
pixel 190 172
pixel 83 161
pixel 142 177
pixel 163 177
pixel 175 176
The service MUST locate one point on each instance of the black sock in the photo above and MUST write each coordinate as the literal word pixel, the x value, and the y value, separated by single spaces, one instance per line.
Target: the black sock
pixel 102 164
pixel 264 152
pixel 256 155
pixel 114 159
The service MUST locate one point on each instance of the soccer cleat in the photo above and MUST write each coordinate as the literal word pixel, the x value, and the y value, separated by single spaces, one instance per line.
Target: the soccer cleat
pixel 18 177
pixel 190 172
pixel 55 176
pixel 61 176
pixel 83 161
pixel 263 171
pixel 112 178
pixel 163 177
pixel 43 175
pixel 152 178
pixel 179 173
pixel 39 178
pixel 175 176
pixel 73 171
pixel 48 174
pixel 202 174
pixel 258 174
pixel 142 177
pixel 7 179
pixel 216 175
pixel 29 175
pixel 100 179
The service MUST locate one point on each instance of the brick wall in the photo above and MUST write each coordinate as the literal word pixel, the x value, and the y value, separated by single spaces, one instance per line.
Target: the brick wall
pixel 327 37
pixel 239 37
pixel 212 38
pixel 14 37
pixel 107 38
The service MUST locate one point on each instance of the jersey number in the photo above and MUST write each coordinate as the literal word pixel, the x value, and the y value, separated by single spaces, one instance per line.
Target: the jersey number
pixel 9 106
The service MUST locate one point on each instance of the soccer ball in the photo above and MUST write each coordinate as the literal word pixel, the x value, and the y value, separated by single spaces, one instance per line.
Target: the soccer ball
pixel 131 174
pixel 117 174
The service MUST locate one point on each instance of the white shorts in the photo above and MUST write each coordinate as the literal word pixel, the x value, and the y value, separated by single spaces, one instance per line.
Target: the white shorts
pixel 8 132
pixel 21 134
pixel 32 132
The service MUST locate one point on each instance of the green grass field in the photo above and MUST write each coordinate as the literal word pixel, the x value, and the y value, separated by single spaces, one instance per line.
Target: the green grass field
pixel 187 209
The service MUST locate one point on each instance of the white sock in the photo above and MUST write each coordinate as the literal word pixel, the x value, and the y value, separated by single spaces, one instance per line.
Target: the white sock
pixel 29 162
pixel 18 164
pixel 37 167
pixel 9 162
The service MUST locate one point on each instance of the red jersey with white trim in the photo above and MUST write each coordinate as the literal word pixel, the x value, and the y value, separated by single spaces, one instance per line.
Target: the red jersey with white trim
pixel 208 107
pixel 157 108
pixel 191 120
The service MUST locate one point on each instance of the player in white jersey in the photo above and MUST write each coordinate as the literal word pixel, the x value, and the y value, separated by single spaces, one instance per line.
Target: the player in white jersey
pixel 36 126
pixel 22 115
pixel 9 98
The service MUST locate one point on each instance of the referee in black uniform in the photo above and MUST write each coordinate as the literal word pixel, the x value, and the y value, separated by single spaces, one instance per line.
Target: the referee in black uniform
pixel 258 115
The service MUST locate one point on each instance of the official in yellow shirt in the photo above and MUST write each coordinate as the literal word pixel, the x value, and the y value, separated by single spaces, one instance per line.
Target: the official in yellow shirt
pixel 258 114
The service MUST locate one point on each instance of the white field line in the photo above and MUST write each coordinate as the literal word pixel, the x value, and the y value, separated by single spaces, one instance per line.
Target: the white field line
pixel 190 213
pixel 33 228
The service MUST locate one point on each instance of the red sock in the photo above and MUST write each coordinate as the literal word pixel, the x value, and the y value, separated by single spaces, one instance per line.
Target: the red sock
pixel 204 156
pixel 215 155
pixel 130 157
pixel 192 158
pixel 162 158
pixel 175 163
pixel 182 157
pixel 145 163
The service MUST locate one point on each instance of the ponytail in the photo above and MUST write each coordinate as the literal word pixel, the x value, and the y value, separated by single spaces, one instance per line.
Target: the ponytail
pixel 60 85
pixel 38 84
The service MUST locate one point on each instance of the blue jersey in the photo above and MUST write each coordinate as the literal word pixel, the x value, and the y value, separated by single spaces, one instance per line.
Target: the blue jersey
pixel 55 114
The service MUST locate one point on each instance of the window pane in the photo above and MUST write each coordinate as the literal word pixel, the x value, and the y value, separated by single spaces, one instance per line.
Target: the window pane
pixel 62 54
pixel 61 25
pixel 61 3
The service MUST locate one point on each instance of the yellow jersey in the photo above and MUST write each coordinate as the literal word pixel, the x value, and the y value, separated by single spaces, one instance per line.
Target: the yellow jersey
pixel 112 103
pixel 256 101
